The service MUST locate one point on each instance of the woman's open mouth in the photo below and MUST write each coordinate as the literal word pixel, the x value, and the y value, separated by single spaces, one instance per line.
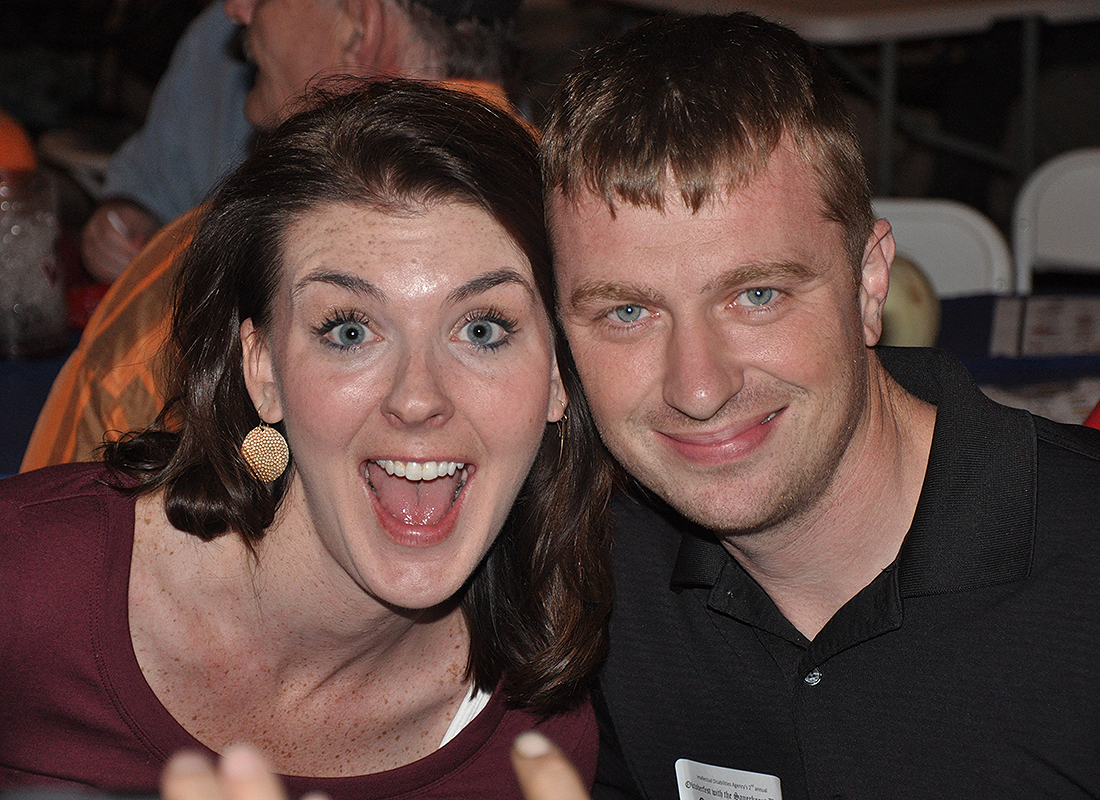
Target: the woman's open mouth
pixel 419 493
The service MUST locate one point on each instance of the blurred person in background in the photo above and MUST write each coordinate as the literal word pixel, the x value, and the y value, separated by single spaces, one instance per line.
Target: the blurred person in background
pixel 195 132
pixel 211 98
pixel 110 383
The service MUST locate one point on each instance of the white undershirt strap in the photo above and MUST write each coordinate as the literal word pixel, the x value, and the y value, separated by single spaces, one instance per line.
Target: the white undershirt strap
pixel 470 707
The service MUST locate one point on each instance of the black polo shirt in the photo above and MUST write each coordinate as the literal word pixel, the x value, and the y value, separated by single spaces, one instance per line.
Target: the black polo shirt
pixel 969 668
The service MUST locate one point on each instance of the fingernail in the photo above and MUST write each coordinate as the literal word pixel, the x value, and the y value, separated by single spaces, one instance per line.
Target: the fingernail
pixel 117 223
pixel 242 761
pixel 532 744
pixel 189 761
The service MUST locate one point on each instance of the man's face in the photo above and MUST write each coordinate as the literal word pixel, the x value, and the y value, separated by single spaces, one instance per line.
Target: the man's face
pixel 291 42
pixel 724 353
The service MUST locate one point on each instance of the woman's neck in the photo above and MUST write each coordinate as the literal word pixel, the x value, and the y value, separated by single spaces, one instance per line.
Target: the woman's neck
pixel 276 648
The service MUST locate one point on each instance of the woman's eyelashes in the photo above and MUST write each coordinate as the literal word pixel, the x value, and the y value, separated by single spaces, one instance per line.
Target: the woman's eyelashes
pixel 487 330
pixel 344 330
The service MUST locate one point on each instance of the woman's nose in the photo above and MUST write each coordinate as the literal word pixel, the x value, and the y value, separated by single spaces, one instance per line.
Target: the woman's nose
pixel 417 395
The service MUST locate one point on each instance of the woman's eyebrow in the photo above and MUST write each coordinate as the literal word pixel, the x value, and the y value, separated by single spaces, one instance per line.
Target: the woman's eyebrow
pixel 489 280
pixel 353 283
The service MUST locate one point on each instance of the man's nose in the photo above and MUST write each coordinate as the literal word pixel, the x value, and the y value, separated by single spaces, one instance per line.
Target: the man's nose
pixel 417 395
pixel 240 11
pixel 700 373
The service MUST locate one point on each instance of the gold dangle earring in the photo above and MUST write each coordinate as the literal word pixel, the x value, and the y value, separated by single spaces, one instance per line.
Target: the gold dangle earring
pixel 266 452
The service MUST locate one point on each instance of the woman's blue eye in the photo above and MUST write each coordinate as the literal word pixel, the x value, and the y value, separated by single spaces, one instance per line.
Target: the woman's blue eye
pixel 629 313
pixel 348 334
pixel 483 332
pixel 759 297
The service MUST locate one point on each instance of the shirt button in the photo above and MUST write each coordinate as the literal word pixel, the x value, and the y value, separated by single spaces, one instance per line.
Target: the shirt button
pixel 814 678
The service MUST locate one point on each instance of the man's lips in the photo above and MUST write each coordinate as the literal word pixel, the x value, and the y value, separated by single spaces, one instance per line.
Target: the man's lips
pixel 723 445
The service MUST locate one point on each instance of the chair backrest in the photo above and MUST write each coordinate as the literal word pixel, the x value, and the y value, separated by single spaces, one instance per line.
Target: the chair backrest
pixel 1056 220
pixel 960 249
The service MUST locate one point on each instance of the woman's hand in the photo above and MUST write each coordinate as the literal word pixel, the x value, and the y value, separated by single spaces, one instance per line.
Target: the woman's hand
pixel 241 774
pixel 543 770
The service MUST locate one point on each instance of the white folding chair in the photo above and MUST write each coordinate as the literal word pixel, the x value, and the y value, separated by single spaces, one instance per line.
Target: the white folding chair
pixel 1056 220
pixel 960 249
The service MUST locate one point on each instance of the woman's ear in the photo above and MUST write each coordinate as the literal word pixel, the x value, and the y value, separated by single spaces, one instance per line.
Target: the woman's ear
pixel 559 399
pixel 874 281
pixel 259 374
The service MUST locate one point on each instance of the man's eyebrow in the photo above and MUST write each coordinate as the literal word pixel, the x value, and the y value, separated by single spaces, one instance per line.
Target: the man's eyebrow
pixel 760 274
pixel 613 292
pixel 353 283
pixel 489 280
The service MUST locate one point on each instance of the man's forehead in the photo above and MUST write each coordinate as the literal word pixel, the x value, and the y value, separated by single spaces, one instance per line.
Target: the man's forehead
pixel 775 221
pixel 642 186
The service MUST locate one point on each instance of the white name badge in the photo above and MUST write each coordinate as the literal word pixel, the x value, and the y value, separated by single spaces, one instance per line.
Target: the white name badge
pixel 708 782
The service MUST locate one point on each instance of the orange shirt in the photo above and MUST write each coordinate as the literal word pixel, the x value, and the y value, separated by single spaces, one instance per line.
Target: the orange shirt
pixel 108 386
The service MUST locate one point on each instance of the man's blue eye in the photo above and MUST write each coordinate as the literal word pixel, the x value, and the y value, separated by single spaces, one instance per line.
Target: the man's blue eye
pixel 628 313
pixel 760 297
pixel 349 334
pixel 483 333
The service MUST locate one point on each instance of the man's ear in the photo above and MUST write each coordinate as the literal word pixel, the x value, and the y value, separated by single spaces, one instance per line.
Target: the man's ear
pixel 874 281
pixel 559 399
pixel 259 374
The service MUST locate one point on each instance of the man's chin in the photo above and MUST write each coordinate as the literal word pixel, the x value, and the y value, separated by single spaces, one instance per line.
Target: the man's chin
pixel 723 508
pixel 258 114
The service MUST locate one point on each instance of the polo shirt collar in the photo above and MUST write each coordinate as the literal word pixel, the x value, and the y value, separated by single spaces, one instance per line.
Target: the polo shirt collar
pixel 974 523
pixel 975 519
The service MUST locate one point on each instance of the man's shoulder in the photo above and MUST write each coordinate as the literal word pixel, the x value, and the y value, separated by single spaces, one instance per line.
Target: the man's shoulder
pixel 1059 440
pixel 1068 481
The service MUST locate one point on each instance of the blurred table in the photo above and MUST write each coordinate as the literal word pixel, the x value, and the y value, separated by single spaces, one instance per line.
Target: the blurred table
pixel 23 389
pixel 1061 386
pixel 833 23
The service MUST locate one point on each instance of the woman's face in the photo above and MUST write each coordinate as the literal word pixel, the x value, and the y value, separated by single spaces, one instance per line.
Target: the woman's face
pixel 411 359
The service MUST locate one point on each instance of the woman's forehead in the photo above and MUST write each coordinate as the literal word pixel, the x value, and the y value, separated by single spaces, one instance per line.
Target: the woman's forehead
pixel 404 251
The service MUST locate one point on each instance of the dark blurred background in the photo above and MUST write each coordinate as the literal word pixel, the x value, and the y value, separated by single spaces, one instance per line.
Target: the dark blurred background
pixel 90 66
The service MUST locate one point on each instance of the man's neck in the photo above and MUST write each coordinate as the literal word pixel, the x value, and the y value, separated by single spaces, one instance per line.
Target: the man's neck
pixel 813 564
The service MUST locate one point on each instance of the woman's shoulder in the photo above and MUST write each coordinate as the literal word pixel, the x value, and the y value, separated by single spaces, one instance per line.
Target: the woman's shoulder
pixel 60 478
pixel 54 504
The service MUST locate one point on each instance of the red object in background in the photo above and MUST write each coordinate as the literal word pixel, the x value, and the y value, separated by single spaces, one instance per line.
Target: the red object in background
pixel 82 293
pixel 16 149
pixel 1093 420
pixel 82 301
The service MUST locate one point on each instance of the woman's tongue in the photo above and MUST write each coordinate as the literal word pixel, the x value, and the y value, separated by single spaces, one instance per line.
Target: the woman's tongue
pixel 413 502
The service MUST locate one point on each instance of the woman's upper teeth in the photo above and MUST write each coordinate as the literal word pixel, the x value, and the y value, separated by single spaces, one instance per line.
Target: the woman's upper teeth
pixel 420 470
